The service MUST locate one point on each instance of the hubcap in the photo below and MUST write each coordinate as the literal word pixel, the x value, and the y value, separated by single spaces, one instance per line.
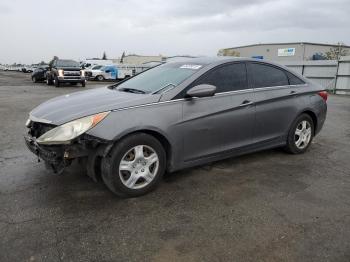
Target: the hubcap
pixel 302 135
pixel 138 167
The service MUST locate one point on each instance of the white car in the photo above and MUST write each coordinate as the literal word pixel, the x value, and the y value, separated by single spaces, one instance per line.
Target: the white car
pixel 92 71
pixel 109 72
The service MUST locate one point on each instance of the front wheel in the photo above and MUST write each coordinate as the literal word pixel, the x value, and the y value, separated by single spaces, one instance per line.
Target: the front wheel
pixel 34 79
pixel 48 81
pixel 300 135
pixel 56 81
pixel 100 78
pixel 135 165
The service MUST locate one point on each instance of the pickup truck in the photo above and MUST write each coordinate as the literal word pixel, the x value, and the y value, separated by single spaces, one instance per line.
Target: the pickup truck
pixel 65 71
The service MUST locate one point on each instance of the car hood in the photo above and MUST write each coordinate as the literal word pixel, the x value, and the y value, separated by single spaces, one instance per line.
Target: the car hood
pixel 66 108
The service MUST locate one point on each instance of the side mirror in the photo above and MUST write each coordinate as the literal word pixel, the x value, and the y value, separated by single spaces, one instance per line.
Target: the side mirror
pixel 203 90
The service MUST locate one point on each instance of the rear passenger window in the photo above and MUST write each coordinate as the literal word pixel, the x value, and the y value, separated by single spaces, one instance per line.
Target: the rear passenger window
pixel 266 76
pixel 226 78
pixel 293 80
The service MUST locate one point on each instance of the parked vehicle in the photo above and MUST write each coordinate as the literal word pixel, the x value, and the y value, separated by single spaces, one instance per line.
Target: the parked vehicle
pixel 39 73
pixel 92 71
pixel 110 72
pixel 28 69
pixel 91 62
pixel 177 115
pixel 65 71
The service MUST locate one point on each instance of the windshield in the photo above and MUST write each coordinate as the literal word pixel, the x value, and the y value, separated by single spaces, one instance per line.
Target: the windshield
pixel 160 77
pixel 67 63
pixel 96 67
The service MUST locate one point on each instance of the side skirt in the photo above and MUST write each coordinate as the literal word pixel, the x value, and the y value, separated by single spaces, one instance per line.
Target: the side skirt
pixel 274 143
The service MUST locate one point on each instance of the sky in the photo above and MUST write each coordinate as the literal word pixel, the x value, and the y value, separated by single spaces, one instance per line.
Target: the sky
pixel 32 31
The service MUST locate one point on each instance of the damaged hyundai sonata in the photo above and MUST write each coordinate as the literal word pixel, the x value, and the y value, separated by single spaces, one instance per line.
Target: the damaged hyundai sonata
pixel 174 116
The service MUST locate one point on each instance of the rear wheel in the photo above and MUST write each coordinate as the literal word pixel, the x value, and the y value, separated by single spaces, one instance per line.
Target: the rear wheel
pixel 135 166
pixel 300 135
pixel 100 78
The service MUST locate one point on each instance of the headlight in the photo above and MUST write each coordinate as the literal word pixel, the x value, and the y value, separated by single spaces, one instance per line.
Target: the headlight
pixel 60 72
pixel 65 133
pixel 82 72
pixel 28 122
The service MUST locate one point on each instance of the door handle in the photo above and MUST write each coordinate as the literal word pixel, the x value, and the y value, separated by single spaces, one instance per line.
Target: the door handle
pixel 246 103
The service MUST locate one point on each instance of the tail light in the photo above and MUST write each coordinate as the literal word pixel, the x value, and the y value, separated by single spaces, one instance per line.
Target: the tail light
pixel 324 95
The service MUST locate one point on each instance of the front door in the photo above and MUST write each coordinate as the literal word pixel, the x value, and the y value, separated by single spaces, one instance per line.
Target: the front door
pixel 223 122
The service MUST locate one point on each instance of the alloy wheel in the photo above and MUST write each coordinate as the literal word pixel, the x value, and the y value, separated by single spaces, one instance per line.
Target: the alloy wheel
pixel 138 167
pixel 302 135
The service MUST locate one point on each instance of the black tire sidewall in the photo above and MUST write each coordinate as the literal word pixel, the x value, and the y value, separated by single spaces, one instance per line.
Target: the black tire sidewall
pixel 291 146
pixel 48 81
pixel 57 82
pixel 110 165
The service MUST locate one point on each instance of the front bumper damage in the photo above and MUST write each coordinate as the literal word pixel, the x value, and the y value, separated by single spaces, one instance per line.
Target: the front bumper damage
pixel 58 157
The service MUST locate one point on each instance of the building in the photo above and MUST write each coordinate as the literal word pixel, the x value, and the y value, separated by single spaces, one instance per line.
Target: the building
pixel 295 51
pixel 138 59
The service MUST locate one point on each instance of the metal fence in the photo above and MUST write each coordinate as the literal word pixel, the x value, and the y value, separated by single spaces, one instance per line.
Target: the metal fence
pixel 342 85
pixel 333 75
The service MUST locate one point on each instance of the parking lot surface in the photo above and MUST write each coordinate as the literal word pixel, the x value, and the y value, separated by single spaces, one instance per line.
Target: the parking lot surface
pixel 267 206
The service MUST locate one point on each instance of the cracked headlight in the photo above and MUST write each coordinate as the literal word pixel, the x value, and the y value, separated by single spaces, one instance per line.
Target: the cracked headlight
pixel 65 133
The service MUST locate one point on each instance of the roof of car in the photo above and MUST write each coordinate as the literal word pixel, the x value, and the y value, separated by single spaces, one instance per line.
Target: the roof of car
pixel 218 59
pixel 213 61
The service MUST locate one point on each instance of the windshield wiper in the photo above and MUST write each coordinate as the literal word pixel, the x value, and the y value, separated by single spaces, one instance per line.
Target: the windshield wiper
pixel 131 90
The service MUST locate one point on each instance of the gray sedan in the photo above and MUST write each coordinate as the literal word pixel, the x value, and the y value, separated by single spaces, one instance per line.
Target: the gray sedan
pixel 174 116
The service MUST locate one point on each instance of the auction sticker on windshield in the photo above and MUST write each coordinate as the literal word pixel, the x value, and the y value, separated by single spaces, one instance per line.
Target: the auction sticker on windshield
pixel 194 67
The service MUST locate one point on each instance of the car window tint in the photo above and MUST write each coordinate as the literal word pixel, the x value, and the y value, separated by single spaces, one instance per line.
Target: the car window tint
pixel 266 76
pixel 226 78
pixel 293 80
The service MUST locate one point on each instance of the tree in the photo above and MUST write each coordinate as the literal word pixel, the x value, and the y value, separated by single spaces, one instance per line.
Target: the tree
pixel 122 58
pixel 104 57
pixel 335 53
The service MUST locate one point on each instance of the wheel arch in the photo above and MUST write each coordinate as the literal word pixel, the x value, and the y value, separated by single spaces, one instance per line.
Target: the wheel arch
pixel 313 117
pixel 157 134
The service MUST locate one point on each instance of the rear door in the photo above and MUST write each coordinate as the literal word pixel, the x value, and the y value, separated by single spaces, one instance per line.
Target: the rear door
pixel 212 125
pixel 276 101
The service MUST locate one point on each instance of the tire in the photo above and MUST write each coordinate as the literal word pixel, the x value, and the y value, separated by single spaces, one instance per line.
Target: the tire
pixel 300 135
pixel 83 84
pixel 56 82
pixel 138 176
pixel 48 81
pixel 34 79
pixel 100 78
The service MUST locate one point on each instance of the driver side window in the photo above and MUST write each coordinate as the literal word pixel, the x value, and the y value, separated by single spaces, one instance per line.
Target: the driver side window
pixel 226 78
